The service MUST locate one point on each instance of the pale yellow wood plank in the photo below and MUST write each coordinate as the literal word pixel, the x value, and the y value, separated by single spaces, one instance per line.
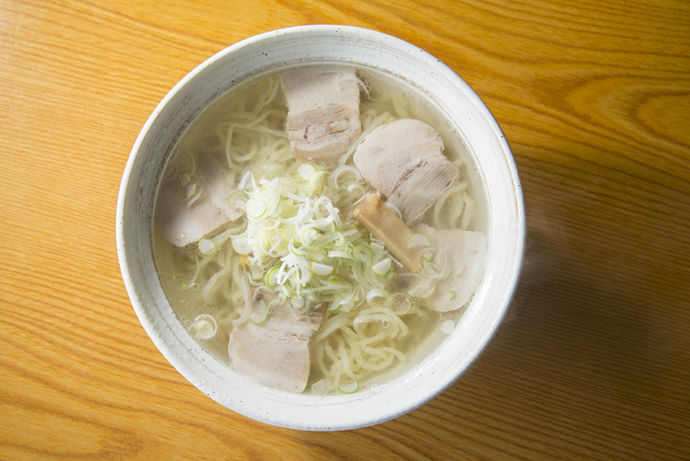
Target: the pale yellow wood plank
pixel 593 361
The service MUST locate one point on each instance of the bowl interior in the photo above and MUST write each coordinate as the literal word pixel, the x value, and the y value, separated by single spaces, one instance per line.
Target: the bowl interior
pixel 317 44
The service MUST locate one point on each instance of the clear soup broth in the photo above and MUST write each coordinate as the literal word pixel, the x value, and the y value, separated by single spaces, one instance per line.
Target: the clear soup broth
pixel 370 328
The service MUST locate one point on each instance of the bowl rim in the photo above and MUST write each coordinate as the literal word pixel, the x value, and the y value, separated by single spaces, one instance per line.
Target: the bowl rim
pixel 153 327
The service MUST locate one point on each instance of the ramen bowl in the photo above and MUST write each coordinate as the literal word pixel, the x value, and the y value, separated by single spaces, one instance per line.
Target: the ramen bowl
pixel 496 175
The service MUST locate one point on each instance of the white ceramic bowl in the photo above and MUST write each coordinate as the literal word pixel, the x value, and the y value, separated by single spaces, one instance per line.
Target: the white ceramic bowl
pixel 306 44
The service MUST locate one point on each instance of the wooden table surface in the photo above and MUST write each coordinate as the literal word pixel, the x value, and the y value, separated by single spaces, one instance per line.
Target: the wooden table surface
pixel 593 359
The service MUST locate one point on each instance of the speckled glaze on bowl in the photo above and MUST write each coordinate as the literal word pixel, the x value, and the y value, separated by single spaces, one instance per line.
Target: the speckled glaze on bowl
pixel 307 44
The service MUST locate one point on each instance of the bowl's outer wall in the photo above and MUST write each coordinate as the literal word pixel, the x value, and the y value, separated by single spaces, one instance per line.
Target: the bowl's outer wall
pixel 293 46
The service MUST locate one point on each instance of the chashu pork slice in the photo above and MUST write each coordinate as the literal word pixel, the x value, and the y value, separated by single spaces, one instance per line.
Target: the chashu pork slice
pixel 193 206
pixel 323 110
pixel 403 159
pixel 466 256
pixel 275 353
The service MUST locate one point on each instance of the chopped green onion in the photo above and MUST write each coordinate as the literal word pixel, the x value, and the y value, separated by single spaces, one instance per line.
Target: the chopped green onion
pixel 338 172
pixel 338 254
pixel 382 267
pixel 204 326
pixel 401 303
pixel 363 253
pixel 349 388
pixel 375 293
pixel 295 251
pixel 263 319
pixel 356 187
pixel 418 240
pixel 321 387
pixel 255 208
pixel 302 249
pixel 206 246
pixel 270 279
pixel 241 245
pixel 447 327
pixel 306 171
pixel 339 239
pixel 238 199
pixel 321 269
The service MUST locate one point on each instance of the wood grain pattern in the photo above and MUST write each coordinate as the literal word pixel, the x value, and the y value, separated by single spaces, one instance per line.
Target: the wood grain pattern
pixel 593 360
